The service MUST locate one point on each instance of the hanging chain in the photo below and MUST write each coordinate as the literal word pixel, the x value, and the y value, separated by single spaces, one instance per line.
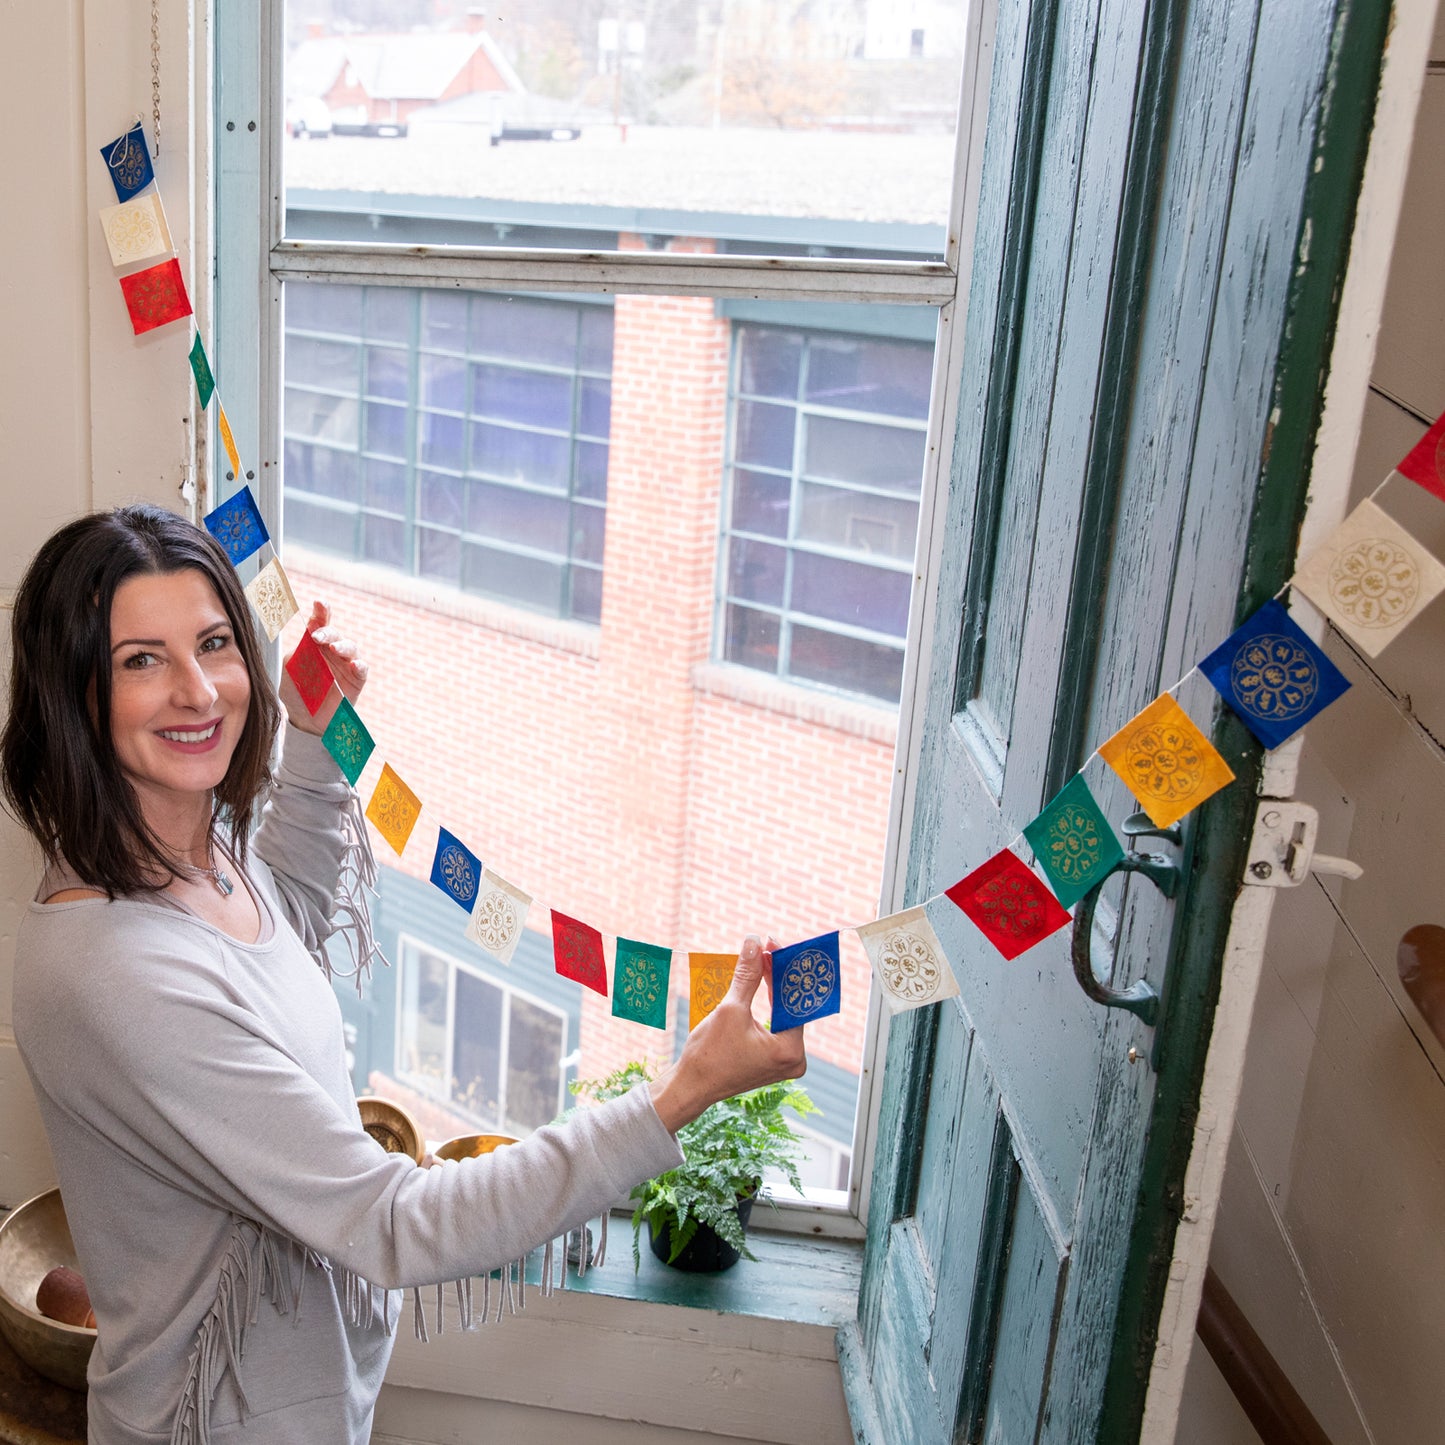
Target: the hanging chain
pixel 156 73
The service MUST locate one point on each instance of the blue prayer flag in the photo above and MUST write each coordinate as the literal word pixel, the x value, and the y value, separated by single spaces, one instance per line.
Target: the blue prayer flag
pixel 456 870
pixel 236 524
pixel 1272 675
pixel 128 160
pixel 807 982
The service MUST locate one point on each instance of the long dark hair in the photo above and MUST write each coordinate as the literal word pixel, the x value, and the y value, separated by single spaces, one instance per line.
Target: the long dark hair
pixel 58 765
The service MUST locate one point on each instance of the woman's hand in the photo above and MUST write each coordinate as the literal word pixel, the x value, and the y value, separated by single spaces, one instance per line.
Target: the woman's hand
pixel 346 667
pixel 729 1052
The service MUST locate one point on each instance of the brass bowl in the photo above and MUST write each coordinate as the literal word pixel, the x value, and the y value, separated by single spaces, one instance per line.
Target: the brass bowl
pixel 473 1146
pixel 34 1239
pixel 392 1127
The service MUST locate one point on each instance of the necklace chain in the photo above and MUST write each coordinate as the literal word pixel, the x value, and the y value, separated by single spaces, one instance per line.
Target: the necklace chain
pixel 156 82
pixel 217 875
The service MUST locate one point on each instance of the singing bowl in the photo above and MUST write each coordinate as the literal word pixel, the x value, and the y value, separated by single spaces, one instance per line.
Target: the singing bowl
pixel 34 1239
pixel 472 1146
pixel 392 1127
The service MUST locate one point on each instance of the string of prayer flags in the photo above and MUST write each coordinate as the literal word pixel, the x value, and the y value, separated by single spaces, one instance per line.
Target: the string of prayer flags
pixel 908 960
pixel 270 594
pixel 348 741
pixel 310 672
pixel 201 370
pixel 1272 675
pixel 498 916
pixel 1008 904
pixel 1073 842
pixel 807 982
pixel 577 952
pixel 1371 578
pixel 456 870
pixel 228 439
pixel 236 524
pixel 156 296
pixel 128 162
pixel 639 982
pixel 1166 762
pixel 136 230
pixel 394 808
pixel 709 976
pixel 1424 464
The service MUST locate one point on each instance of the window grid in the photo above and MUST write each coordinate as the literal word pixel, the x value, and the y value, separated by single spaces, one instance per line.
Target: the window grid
pixel 558 574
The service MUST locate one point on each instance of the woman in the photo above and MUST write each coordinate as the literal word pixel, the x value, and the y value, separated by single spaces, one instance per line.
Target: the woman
pixel 187 1052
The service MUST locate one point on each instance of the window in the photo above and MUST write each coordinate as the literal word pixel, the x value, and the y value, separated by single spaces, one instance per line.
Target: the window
pixel 487 1051
pixel 645 346
pixel 461 437
pixel 828 435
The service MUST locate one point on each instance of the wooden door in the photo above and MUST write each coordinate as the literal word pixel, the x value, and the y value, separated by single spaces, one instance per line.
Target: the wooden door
pixel 1164 210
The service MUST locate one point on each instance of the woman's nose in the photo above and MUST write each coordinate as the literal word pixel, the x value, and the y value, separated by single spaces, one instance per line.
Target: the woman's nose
pixel 193 687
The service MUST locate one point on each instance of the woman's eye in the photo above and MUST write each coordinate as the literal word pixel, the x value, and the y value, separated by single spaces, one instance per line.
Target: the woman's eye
pixel 215 642
pixel 138 660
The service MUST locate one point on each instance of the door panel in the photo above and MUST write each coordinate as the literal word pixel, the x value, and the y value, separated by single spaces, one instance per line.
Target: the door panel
pixel 1147 180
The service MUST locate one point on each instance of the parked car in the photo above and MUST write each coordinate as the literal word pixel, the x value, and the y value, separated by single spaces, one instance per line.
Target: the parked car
pixel 355 121
pixel 308 119
pixel 508 132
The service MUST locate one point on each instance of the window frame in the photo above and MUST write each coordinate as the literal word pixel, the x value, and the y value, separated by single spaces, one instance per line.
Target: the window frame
pixel 253 260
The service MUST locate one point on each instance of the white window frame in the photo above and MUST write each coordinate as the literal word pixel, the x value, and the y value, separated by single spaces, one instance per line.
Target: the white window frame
pixel 253 260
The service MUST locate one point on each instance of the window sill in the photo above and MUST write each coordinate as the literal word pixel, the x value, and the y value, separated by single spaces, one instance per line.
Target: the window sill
pixel 580 638
pixel 855 717
pixel 750 1352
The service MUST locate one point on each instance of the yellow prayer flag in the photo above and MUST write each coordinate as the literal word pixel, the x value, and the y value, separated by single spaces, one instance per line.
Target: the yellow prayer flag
pixel 394 808
pixel 227 440
pixel 709 977
pixel 1166 762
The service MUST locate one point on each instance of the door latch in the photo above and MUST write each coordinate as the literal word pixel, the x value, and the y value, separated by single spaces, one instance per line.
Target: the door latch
pixel 1282 848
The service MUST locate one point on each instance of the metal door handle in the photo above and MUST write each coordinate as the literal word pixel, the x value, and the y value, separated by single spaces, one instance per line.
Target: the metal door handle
pixel 1140 998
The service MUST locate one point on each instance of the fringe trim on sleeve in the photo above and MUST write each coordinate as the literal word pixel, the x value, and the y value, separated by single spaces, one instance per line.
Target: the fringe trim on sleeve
pixel 355 887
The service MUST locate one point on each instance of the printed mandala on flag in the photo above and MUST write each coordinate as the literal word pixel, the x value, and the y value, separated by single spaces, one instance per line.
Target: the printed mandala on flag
pixel 308 669
pixel 908 960
pixel 136 230
pixel 456 870
pixel 201 370
pixel 1272 675
pixel 1008 904
pixel 1371 578
pixel 639 982
pixel 393 808
pixel 807 982
pixel 1424 464
pixel 128 163
pixel 236 524
pixel 348 741
pixel 577 952
pixel 710 975
pixel 498 916
pixel 269 592
pixel 1073 842
pixel 1166 762
pixel 156 296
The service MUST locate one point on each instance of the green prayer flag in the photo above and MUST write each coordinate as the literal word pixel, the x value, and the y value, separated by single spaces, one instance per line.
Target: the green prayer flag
pixel 201 369
pixel 1073 842
pixel 639 983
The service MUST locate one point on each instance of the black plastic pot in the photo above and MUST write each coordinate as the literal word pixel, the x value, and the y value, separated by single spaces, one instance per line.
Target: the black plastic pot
pixel 707 1252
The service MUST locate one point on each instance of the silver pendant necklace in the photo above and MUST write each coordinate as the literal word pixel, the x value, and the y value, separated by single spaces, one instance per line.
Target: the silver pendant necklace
pixel 218 876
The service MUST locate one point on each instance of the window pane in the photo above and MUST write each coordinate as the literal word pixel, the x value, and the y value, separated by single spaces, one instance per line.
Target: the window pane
pixel 751 638
pixel 858 521
pixel 506 514
pixel 442 441
pixel 586 594
pixel 851 592
pixel 868 375
pixel 846 662
pixel 386 428
pixel 388 373
pixel 508 393
pixel 521 456
pixel 589 527
pixel 517 329
pixel 323 418
pixel 443 321
pixel 850 451
pixel 383 539
pixel 764 435
pixel 760 503
pixel 595 343
pixel 324 471
pixel 335 365
pixel 769 363
pixel 757 572
pixel 385 486
pixel 591 478
pixel 389 313
pixel 424 1020
pixel 440 499
pixel 444 382
pixel 528 581
pixel 319 526
pixel 477 1054
pixel 594 406
pixel 314 307
pixel 534 1052
pixel 439 555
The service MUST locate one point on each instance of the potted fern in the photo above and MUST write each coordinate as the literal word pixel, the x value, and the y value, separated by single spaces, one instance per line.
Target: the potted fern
pixel 697 1214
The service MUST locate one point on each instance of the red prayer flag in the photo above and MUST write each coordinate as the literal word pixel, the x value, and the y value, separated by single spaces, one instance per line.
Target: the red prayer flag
pixel 309 672
pixel 1011 907
pixel 155 296
pixel 577 952
pixel 1425 463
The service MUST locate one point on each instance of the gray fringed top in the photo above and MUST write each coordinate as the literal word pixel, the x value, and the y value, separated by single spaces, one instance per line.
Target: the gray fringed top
pixel 220 1188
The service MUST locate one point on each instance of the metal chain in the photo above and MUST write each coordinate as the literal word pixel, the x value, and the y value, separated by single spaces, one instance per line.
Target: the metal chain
pixel 156 73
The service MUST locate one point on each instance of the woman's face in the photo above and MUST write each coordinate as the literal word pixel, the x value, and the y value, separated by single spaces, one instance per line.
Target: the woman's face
pixel 179 687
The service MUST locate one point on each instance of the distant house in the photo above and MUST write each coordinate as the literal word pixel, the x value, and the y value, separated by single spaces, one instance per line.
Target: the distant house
pixel 379 77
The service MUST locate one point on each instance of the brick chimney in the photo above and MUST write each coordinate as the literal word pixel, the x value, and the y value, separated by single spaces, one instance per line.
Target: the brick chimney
pixel 475 22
